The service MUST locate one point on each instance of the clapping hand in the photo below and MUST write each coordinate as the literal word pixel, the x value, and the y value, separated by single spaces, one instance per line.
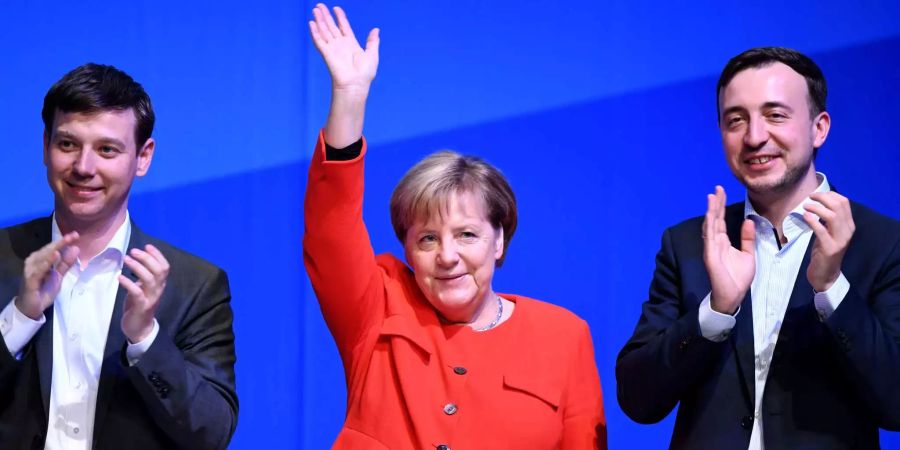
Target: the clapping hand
pixel 730 270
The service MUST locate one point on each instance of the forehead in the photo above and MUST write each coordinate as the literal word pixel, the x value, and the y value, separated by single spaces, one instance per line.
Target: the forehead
pixel 116 124
pixel 452 208
pixel 754 87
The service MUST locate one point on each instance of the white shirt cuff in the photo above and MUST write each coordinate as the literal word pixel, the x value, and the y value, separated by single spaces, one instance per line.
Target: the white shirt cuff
pixel 714 325
pixel 828 301
pixel 17 328
pixel 134 351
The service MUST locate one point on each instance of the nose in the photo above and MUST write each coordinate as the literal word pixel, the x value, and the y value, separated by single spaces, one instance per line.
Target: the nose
pixel 85 163
pixel 448 254
pixel 757 134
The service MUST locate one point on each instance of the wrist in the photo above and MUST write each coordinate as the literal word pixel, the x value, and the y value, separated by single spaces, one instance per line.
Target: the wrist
pixel 27 309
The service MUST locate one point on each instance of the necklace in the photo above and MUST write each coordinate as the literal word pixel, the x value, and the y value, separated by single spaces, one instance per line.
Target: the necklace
pixel 496 319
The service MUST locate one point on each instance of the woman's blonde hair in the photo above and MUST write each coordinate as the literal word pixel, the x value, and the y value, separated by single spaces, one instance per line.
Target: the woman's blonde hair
pixel 427 187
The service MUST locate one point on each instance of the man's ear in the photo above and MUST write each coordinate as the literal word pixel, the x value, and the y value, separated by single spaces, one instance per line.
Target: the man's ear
pixel 821 126
pixel 145 157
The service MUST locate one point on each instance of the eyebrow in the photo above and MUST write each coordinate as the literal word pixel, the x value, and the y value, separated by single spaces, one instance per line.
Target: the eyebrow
pixel 766 105
pixel 104 140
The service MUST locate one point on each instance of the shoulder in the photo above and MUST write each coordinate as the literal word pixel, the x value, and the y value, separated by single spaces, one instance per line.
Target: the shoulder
pixel 182 263
pixel 549 318
pixel 875 233
pixel 22 239
pixel 865 217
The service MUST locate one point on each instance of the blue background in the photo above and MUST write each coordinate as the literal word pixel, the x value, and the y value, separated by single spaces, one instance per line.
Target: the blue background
pixel 602 115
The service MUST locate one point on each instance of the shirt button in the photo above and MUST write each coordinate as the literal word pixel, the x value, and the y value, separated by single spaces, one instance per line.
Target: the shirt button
pixel 460 370
pixel 73 337
pixel 76 430
pixel 450 409
pixel 443 447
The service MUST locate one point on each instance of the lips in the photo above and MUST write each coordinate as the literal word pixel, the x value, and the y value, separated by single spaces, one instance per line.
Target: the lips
pixel 761 162
pixel 82 191
pixel 449 277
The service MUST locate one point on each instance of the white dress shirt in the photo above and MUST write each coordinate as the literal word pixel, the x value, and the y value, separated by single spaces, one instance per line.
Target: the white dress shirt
pixel 82 312
pixel 777 268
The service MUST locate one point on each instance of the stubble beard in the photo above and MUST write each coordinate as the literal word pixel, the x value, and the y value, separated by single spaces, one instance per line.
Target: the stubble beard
pixel 791 178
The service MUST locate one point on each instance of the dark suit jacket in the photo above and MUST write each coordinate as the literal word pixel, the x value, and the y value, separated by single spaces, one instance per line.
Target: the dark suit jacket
pixel 180 394
pixel 831 384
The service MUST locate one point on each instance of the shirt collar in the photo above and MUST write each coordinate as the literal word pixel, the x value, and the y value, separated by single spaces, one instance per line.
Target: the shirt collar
pixel 115 248
pixel 793 224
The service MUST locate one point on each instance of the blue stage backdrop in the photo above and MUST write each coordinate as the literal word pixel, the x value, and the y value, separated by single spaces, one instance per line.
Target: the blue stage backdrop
pixel 601 114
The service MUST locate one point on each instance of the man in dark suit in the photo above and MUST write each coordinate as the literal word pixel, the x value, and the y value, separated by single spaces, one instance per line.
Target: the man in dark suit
pixel 111 339
pixel 773 323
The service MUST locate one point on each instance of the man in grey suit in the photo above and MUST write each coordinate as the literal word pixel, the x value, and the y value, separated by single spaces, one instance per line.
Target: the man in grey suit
pixel 111 339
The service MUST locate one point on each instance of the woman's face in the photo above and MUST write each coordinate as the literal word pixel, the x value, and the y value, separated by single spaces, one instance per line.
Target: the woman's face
pixel 453 256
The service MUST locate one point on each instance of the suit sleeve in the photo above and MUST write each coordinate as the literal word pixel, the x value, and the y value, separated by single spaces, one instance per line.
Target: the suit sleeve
pixel 584 423
pixel 866 333
pixel 337 252
pixel 667 352
pixel 186 377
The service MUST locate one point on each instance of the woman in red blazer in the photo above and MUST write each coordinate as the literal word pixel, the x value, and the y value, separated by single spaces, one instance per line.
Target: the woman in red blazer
pixel 433 357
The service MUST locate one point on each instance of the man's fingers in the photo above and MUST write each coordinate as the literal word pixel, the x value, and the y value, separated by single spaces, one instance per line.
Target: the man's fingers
pixel 822 211
pixel 819 230
pixel 135 293
pixel 140 271
pixel 832 200
pixel 748 237
pixel 709 220
pixel 154 261
pixel 158 256
pixel 723 200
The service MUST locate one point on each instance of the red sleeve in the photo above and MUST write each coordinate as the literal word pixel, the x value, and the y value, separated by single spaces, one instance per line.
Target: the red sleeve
pixel 337 252
pixel 584 422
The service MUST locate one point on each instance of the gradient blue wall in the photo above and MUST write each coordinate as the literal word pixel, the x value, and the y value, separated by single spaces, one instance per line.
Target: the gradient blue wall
pixel 602 116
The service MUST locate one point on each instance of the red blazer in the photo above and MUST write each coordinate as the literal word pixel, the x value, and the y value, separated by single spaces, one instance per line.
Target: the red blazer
pixel 402 373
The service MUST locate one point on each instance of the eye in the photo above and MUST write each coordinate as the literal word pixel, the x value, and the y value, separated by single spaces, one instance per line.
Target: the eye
pixel 66 145
pixel 108 150
pixel 426 240
pixel 777 116
pixel 467 236
pixel 733 121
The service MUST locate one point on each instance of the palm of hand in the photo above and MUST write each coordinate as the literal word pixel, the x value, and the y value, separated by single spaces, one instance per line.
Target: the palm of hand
pixel 349 64
pixel 731 271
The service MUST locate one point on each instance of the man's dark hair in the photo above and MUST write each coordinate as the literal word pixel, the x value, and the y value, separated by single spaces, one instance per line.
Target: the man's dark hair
pixel 93 88
pixel 765 56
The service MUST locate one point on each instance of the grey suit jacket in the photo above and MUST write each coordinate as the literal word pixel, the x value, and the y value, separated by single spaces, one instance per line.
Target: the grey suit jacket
pixel 181 394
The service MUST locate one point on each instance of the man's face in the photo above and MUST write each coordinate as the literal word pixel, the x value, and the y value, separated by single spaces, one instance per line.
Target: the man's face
pixel 91 162
pixel 767 132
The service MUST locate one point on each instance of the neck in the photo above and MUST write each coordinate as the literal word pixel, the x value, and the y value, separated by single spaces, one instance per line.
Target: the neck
pixel 776 205
pixel 93 236
pixel 483 314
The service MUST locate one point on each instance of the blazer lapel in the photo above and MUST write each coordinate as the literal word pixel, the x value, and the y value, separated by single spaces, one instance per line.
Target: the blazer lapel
pixel 112 369
pixel 742 337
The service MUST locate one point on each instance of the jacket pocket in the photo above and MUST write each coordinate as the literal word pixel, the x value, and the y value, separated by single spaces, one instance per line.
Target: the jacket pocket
pixel 549 393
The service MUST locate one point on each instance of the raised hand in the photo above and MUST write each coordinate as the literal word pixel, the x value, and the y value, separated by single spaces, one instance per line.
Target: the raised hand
pixel 152 270
pixel 351 66
pixel 43 273
pixel 730 270
pixel 352 71
pixel 832 237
